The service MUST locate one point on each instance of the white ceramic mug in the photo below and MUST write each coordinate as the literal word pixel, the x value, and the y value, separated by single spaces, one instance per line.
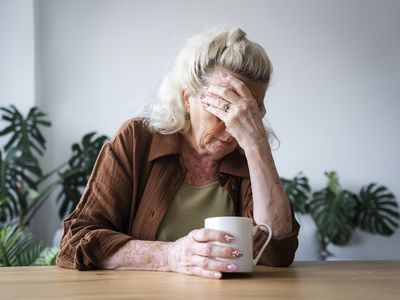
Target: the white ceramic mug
pixel 243 231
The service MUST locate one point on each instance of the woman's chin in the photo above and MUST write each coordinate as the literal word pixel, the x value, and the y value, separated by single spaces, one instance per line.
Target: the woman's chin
pixel 219 149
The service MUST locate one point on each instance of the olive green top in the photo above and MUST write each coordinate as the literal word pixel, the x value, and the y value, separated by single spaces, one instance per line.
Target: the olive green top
pixel 190 207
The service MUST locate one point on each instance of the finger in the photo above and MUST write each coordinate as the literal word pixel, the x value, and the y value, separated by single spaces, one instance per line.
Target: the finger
pixel 223 92
pixel 214 101
pixel 210 250
pixel 215 111
pixel 211 235
pixel 239 86
pixel 206 273
pixel 210 264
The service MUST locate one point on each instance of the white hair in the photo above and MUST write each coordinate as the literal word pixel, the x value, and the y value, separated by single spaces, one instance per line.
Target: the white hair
pixel 203 53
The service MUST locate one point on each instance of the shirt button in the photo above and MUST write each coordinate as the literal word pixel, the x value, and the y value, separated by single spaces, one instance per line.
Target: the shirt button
pixel 222 178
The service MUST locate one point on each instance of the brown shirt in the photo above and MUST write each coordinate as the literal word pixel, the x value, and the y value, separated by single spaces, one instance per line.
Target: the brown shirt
pixel 135 178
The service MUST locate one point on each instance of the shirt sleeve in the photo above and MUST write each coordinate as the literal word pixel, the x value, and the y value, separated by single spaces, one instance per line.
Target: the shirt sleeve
pixel 97 227
pixel 281 250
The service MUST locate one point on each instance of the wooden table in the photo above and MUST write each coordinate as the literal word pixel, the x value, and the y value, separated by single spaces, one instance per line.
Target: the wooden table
pixel 303 280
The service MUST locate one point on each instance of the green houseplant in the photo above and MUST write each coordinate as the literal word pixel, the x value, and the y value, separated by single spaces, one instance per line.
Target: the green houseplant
pixel 24 187
pixel 338 212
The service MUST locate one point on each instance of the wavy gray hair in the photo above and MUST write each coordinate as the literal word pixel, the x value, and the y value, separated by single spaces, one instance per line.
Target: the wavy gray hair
pixel 202 53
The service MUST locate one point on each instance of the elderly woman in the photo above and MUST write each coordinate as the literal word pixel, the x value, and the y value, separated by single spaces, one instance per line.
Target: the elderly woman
pixel 201 151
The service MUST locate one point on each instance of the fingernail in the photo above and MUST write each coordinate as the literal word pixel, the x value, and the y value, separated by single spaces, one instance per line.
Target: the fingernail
pixel 224 75
pixel 232 267
pixel 217 275
pixel 237 253
pixel 229 238
pixel 202 96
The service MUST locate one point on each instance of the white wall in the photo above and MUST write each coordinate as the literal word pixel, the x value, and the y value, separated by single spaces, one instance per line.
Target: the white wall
pixel 17 80
pixel 333 102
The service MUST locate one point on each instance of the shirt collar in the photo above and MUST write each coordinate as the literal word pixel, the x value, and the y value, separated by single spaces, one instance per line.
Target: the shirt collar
pixel 164 144
pixel 234 163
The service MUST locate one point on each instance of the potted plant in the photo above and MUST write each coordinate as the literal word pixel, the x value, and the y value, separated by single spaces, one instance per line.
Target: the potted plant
pixel 337 212
pixel 24 187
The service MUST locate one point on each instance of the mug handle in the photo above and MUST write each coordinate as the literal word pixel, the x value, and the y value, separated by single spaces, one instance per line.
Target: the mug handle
pixel 265 228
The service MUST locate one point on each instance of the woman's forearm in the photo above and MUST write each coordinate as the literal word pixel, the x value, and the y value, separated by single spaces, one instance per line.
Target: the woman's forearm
pixel 139 255
pixel 271 205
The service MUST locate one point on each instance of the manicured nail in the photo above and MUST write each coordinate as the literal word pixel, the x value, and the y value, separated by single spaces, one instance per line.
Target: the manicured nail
pixel 232 268
pixel 202 96
pixel 229 238
pixel 237 253
pixel 217 275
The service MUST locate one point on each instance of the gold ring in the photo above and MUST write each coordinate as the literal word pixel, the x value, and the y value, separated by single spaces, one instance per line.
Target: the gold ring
pixel 225 107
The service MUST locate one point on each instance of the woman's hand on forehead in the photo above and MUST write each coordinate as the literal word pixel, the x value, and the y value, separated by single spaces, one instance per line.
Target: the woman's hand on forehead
pixel 236 106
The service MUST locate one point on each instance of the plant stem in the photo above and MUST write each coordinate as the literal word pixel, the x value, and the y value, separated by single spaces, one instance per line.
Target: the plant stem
pixel 39 201
pixel 44 177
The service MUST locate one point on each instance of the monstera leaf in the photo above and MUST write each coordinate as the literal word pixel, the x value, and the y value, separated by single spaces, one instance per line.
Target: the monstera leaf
pixel 80 166
pixel 15 184
pixel 25 132
pixel 333 211
pixel 378 210
pixel 297 191
pixel 19 166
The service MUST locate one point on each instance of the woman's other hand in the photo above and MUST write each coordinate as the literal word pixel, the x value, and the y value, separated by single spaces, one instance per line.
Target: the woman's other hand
pixel 193 254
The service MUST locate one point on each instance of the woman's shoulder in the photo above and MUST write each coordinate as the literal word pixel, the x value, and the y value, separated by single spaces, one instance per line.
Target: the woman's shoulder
pixel 134 126
pixel 132 132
